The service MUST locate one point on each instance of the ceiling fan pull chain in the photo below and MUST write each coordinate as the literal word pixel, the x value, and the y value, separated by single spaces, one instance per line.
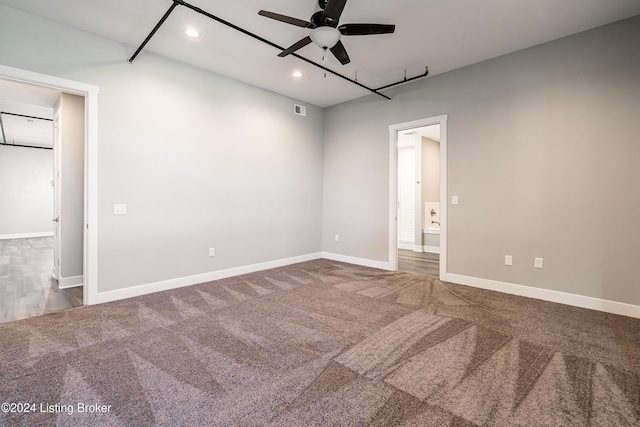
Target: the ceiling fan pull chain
pixel 324 61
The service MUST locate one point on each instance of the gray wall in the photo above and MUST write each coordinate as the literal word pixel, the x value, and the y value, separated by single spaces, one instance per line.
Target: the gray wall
pixel 71 152
pixel 200 160
pixel 542 152
pixel 26 195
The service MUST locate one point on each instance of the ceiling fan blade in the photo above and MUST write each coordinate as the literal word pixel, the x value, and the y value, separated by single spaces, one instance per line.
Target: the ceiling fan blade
pixel 365 29
pixel 300 44
pixel 286 19
pixel 334 9
pixel 341 53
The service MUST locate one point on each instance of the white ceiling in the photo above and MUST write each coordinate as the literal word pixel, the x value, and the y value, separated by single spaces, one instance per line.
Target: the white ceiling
pixel 431 132
pixel 407 138
pixel 32 95
pixel 27 131
pixel 442 34
pixel 29 100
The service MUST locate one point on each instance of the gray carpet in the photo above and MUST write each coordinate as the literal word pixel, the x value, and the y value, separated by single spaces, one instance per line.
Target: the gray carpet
pixel 323 343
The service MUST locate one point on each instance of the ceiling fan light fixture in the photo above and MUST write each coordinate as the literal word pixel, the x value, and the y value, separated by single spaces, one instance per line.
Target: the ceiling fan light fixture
pixel 325 37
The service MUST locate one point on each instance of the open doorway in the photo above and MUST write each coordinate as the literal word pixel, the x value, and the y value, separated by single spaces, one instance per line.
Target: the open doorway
pixel 417 229
pixel 31 170
pixel 419 200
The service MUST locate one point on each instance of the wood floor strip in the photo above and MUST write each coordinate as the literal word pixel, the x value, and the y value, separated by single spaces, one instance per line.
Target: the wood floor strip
pixel 421 263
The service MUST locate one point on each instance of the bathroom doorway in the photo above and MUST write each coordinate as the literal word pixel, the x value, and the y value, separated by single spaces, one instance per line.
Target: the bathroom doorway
pixel 418 150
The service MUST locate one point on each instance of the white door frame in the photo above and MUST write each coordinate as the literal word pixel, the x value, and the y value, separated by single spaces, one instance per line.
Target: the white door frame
pixel 90 93
pixel 393 188
pixel 56 195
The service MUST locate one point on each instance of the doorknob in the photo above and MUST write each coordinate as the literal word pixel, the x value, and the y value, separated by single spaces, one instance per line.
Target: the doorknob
pixel 56 219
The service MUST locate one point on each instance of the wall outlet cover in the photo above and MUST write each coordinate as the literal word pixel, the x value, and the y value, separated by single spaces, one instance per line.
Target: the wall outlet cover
pixel 538 262
pixel 508 260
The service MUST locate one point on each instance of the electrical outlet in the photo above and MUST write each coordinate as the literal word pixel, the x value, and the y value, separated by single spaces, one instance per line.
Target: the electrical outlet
pixel 537 262
pixel 337 237
pixel 212 251
pixel 508 260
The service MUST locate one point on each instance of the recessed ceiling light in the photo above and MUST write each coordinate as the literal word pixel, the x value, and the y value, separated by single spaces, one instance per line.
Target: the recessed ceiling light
pixel 297 74
pixel 190 32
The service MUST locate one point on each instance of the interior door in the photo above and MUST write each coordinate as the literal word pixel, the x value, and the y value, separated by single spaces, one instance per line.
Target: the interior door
pixel 406 196
pixel 56 197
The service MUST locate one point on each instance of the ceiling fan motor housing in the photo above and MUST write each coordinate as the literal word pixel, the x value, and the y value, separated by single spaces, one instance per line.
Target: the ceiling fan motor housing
pixel 318 20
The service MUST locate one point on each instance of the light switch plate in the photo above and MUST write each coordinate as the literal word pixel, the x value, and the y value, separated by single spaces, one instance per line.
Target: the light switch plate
pixel 454 200
pixel 508 260
pixel 119 209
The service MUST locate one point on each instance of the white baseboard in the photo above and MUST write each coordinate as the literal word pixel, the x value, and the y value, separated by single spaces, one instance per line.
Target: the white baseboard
pixel 431 249
pixel 134 291
pixel 598 304
pixel 26 235
pixel 70 282
pixel 418 248
pixel 382 265
pixel 493 285
pixel 410 247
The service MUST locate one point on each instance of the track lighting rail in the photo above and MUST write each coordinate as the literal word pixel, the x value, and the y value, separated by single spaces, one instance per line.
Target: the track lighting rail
pixel 4 137
pixel 24 146
pixel 426 73
pixel 25 116
pixel 263 40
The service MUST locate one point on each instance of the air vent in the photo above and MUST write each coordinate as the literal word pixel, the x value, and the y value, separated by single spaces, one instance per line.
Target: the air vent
pixel 299 110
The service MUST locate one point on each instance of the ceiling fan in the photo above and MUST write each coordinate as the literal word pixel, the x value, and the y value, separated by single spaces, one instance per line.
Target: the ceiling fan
pixel 325 31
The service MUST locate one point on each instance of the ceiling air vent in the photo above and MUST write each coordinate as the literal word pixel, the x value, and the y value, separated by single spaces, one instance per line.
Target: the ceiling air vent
pixel 299 110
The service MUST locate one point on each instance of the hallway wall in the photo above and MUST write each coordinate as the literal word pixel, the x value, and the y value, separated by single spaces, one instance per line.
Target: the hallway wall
pixel 26 194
